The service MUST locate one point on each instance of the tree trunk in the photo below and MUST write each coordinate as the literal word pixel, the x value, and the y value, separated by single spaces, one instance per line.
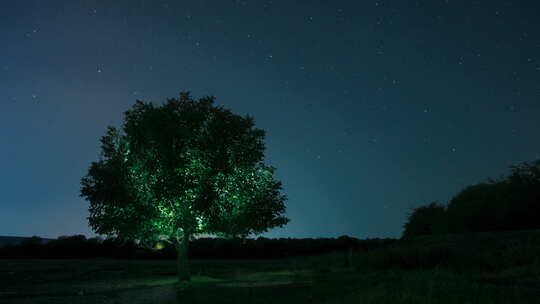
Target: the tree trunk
pixel 182 258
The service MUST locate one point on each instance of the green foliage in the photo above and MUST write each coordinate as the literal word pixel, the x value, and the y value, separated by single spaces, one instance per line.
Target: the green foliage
pixel 179 169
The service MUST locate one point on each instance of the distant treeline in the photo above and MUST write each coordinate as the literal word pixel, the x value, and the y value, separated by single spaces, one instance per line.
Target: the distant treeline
pixel 78 246
pixel 503 204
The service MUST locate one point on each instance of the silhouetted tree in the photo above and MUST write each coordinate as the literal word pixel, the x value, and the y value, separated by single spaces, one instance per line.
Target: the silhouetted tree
pixel 481 207
pixel 180 169
pixel 425 220
pixel 31 246
pixel 524 182
pixel 507 203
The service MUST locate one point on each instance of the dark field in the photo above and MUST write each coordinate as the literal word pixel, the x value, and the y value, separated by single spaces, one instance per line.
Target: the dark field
pixel 480 268
pixel 254 282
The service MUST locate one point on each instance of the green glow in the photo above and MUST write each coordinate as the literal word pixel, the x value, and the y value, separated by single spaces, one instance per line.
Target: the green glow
pixel 158 246
pixel 183 168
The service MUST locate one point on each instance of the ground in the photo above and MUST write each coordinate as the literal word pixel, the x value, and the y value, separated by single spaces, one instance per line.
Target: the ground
pixel 327 279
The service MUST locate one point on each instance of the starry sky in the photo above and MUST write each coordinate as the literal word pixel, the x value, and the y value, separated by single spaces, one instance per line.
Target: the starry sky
pixel 371 107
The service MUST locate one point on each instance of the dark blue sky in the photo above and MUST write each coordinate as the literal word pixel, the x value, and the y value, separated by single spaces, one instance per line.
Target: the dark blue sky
pixel 371 107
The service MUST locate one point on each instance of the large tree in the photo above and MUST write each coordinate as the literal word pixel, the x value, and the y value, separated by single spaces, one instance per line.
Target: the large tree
pixel 180 169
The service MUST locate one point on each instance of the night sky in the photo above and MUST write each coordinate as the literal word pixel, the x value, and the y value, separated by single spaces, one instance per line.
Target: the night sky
pixel 371 107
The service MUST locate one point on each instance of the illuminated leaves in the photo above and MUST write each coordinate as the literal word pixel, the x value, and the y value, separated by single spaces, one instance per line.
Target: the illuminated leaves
pixel 181 168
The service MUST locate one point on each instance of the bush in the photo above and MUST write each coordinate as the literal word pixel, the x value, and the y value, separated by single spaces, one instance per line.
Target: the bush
pixel 426 220
pixel 504 204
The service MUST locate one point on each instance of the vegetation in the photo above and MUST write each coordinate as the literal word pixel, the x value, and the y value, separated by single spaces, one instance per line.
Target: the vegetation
pixel 425 220
pixel 508 203
pixel 489 267
pixel 184 168
pixel 78 247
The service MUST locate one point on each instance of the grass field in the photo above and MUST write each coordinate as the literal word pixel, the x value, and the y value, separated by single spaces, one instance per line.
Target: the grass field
pixel 421 272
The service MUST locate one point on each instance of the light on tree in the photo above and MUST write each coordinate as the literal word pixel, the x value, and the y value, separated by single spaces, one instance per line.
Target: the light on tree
pixel 184 168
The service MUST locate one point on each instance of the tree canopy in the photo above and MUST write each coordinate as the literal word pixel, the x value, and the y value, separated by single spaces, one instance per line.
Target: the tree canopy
pixel 179 169
pixel 425 220
pixel 507 203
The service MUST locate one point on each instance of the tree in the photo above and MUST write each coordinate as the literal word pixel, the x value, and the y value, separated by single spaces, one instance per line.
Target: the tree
pixel 180 169
pixel 425 220
pixel 482 207
pixel 525 184
pixel 505 203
